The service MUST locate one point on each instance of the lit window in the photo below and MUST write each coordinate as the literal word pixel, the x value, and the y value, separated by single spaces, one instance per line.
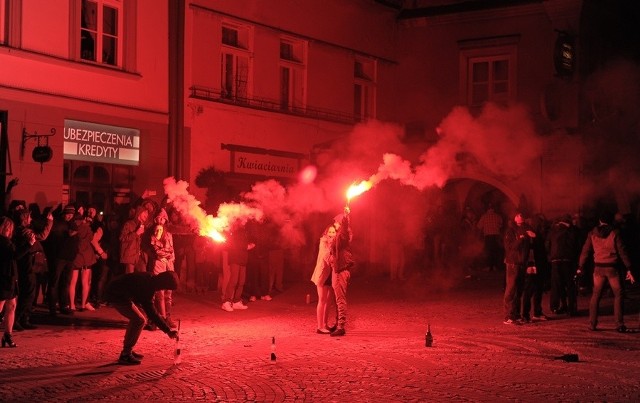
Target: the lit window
pixel 101 31
pixel 235 63
pixel 364 73
pixel 292 74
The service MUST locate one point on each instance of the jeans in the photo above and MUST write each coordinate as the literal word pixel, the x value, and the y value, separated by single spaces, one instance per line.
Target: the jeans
pixel 514 287
pixel 611 274
pixel 237 277
pixel 136 323
pixel 563 286
pixel 339 282
pixel 59 285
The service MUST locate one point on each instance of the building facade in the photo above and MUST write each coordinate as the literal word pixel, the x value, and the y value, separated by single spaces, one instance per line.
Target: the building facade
pixel 128 92
pixel 88 79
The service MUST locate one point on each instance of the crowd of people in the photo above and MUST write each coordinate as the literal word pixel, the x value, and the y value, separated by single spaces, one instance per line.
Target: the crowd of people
pixel 56 253
pixel 106 257
pixel 562 259
pixel 75 258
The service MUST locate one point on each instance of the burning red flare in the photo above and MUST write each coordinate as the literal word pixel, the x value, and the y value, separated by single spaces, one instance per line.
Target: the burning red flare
pixel 213 228
pixel 357 189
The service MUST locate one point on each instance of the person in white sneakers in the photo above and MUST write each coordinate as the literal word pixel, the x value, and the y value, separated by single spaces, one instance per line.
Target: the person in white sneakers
pixel 238 247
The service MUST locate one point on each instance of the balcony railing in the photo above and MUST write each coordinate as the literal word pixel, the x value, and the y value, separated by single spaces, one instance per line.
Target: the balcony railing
pixel 272 105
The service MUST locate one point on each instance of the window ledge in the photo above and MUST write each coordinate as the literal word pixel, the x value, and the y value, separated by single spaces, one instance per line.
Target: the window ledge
pixel 59 61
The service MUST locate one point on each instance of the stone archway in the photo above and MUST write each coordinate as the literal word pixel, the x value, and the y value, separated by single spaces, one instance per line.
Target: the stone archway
pixel 479 191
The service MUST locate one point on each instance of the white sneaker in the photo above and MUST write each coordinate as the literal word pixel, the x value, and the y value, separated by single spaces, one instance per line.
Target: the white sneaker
pixel 252 298
pixel 227 306
pixel 266 298
pixel 239 305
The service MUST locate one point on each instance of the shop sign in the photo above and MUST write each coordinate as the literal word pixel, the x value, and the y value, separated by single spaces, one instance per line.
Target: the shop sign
pixel 94 142
pixel 264 164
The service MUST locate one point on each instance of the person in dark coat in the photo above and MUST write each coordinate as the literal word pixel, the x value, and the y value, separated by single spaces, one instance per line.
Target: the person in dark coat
pixel 62 247
pixel 341 262
pixel 8 280
pixel 132 296
pixel 518 243
pixel 562 249
pixel 31 259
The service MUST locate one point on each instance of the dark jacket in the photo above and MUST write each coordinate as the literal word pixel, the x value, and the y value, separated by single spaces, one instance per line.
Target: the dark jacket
pixel 139 288
pixel 8 270
pixel 517 244
pixel 562 243
pixel 341 257
pixel 237 247
pixel 28 245
pixel 605 244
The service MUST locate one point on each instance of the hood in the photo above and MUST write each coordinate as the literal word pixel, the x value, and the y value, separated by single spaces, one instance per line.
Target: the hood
pixel 603 231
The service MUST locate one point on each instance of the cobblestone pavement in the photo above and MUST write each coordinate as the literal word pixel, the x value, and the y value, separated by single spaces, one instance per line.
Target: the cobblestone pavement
pixel 225 356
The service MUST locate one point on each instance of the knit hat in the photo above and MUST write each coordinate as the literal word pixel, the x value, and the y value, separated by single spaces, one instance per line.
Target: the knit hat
pixel 69 210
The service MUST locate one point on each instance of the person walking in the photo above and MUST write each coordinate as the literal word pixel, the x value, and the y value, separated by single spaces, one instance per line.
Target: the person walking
pixel 341 262
pixel 605 246
pixel 321 277
pixel 132 296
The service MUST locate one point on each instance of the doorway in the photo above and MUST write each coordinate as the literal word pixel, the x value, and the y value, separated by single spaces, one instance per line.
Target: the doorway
pixel 97 184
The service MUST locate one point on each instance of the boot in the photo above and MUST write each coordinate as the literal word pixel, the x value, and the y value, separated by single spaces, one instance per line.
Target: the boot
pixel 8 341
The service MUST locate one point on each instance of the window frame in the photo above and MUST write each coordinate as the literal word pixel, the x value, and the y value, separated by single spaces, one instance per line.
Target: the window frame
pixel 490 54
pixel 241 51
pixel 100 33
pixel 364 89
pixel 293 97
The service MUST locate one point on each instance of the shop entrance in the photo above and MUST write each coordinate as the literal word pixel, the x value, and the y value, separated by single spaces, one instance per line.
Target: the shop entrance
pixel 100 185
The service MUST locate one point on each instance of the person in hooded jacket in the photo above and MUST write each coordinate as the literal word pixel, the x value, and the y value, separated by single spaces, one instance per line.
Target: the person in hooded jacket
pixel 605 245
pixel 132 296
pixel 562 250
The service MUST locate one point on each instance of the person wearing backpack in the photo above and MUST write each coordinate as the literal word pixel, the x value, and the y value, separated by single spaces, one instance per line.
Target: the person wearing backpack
pixel 605 245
